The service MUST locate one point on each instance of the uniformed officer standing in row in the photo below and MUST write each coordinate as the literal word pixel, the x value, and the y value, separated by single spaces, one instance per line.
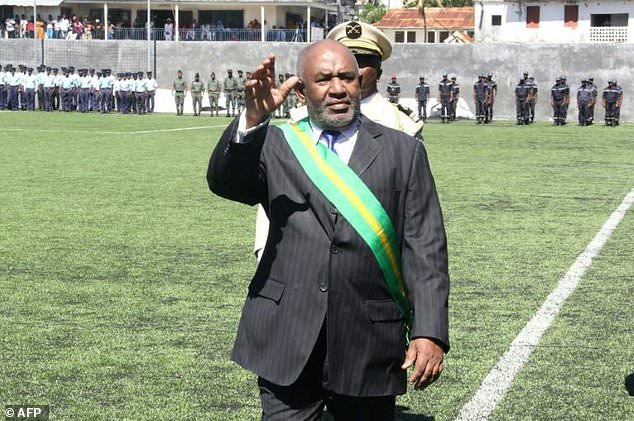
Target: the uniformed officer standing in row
pixel 611 101
pixel 291 99
pixel 393 90
pixel 522 91
pixel 213 91
pixel 559 99
pixel 595 94
pixel 197 89
pixel 422 96
pixel 151 86
pixel 444 98
pixel 584 101
pixel 179 90
pixel 241 83
pixel 455 94
pixel 488 108
pixel 231 86
pixel 532 98
pixel 481 97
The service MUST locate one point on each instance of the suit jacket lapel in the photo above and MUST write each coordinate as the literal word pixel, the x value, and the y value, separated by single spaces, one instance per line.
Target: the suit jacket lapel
pixel 366 148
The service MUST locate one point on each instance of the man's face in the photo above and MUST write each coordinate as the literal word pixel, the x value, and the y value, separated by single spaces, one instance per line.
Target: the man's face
pixel 369 73
pixel 180 75
pixel 331 85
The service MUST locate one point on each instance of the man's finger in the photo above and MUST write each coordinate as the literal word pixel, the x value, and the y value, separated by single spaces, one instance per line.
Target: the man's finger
pixel 288 84
pixel 410 357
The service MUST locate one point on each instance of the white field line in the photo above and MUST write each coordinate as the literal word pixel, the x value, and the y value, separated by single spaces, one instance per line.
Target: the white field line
pixel 13 129
pixel 499 379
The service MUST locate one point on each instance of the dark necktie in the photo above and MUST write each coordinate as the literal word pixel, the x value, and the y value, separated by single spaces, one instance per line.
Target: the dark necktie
pixel 331 138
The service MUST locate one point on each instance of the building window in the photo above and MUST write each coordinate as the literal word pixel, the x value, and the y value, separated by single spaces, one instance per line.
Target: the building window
pixel 431 37
pixel 399 37
pixel 411 36
pixel 443 35
pixel 496 20
pixel 571 15
pixel 614 19
pixel 532 16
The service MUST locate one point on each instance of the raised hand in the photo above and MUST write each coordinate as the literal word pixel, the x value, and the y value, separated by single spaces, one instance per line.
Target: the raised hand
pixel 261 96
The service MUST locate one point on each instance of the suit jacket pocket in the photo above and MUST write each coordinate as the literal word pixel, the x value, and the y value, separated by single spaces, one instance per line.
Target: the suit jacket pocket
pixel 267 288
pixel 383 310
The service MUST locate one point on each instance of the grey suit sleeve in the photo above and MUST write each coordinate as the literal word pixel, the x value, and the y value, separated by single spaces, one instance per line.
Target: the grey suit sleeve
pixel 235 170
pixel 424 254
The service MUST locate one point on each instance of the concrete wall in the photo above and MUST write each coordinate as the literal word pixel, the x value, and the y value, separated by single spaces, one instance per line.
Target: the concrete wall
pixel 409 61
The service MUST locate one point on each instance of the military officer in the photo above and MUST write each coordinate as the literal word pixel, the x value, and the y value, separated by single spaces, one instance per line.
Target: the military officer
pixel 106 83
pixel 124 93
pixel 280 112
pixel 559 98
pixel 455 94
pixel 532 98
pixel 29 85
pixel 610 100
pixel 48 86
pixel 197 89
pixel 481 96
pixel 230 87
pixel 521 97
pixel 240 87
pixel 150 92
pixel 488 108
pixel 584 98
pixel 393 90
pixel 213 90
pixel 67 90
pixel 84 90
pixel 3 92
pixel 444 98
pixel 39 82
pixel 422 96
pixel 291 99
pixel 595 94
pixel 179 91
pixel 618 102
pixel 140 88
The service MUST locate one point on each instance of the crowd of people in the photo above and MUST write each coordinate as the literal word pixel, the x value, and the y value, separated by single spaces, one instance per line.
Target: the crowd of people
pixel 74 27
pixel 82 90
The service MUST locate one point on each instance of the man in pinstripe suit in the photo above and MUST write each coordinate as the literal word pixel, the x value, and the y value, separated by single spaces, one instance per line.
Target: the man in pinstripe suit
pixel 321 325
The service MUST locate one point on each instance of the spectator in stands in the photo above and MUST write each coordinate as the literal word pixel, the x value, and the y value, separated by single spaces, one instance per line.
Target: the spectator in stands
pixel 64 27
pixel 39 27
pixel 30 28
pixel 168 30
pixel 9 26
pixel 50 28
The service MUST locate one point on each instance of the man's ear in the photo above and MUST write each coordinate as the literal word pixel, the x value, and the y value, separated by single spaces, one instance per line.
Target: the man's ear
pixel 379 72
pixel 299 90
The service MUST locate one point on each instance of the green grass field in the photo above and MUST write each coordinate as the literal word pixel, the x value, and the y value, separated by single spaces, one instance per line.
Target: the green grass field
pixel 122 278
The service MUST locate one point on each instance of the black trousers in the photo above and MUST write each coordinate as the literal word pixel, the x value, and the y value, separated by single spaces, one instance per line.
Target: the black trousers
pixel 305 399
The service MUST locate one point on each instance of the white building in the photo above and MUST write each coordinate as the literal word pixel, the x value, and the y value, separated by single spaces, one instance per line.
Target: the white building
pixel 554 21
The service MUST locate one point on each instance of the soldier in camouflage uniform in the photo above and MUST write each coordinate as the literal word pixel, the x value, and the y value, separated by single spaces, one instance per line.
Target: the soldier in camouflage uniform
pixel 198 87
pixel 179 90
pixel 213 90
pixel 231 86
pixel 241 85
pixel 279 112
pixel 291 99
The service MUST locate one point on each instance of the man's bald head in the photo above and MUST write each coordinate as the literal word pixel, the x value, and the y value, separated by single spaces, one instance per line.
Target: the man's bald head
pixel 310 55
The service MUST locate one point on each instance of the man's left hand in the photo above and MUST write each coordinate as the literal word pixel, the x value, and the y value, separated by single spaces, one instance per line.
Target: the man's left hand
pixel 427 358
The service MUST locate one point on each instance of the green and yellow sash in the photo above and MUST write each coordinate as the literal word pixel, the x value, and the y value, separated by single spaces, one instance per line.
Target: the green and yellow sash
pixel 356 202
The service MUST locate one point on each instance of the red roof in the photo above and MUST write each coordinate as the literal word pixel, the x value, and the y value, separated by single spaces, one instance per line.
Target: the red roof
pixel 447 18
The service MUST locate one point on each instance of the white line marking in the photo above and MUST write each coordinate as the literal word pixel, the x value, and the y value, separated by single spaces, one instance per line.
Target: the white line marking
pixel 13 129
pixel 177 129
pixel 499 379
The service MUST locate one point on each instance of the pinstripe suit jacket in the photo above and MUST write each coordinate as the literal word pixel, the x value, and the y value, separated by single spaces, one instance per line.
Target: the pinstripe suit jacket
pixel 316 268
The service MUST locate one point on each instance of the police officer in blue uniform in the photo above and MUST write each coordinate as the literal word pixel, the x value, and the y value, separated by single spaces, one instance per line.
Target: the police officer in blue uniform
pixel 522 90
pixel 481 97
pixel 584 99
pixel 610 99
pixel 559 99
pixel 444 98
pixel 422 96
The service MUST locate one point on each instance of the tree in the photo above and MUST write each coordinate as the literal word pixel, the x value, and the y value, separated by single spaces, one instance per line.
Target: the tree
pixel 372 12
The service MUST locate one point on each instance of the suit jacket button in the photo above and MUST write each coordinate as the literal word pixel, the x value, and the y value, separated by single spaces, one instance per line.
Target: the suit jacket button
pixel 334 249
pixel 323 287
